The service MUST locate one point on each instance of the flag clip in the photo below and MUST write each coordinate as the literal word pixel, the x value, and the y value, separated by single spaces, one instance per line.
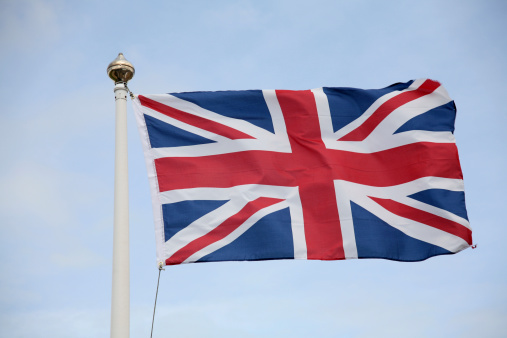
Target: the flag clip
pixel 130 92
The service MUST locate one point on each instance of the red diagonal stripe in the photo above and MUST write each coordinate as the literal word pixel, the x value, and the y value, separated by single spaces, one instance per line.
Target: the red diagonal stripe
pixel 193 120
pixel 221 231
pixel 365 129
pixel 426 218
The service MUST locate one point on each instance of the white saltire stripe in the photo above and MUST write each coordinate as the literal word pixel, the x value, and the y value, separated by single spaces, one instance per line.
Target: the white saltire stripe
pixel 237 232
pixel 263 139
pixel 373 108
pixel 238 197
pixel 434 210
pixel 383 137
pixel 326 122
pixel 193 109
pixel 184 126
pixel 202 226
pixel 415 229
pixel 358 193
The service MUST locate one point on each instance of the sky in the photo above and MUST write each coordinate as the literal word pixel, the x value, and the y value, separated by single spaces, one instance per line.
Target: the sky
pixel 57 167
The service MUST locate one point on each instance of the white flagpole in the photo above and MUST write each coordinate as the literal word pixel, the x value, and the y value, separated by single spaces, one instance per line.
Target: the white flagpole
pixel 121 71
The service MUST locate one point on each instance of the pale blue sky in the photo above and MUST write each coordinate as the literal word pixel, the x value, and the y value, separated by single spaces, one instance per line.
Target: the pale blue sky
pixel 57 150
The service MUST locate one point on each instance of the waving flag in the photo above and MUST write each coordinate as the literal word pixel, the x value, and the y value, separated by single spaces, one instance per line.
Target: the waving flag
pixel 328 174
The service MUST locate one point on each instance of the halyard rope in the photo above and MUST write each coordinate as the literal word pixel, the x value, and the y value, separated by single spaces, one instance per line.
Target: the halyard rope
pixel 156 294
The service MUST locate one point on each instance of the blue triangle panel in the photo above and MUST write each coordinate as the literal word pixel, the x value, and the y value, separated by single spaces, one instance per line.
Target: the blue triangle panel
pixel 247 105
pixel 377 239
pixel 347 104
pixel 165 135
pixel 269 238
pixel 437 119
pixel 179 215
pixel 452 201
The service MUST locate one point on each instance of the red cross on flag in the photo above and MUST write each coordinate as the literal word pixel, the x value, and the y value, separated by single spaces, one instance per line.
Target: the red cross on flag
pixel 328 174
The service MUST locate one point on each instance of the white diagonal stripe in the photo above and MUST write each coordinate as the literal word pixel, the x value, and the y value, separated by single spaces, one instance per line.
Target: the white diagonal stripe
pixel 383 137
pixel 181 125
pixel 193 109
pixel 359 194
pixel 237 232
pixel 241 194
pixel 380 101
pixel 434 210
pixel 415 229
pixel 263 139
pixel 202 226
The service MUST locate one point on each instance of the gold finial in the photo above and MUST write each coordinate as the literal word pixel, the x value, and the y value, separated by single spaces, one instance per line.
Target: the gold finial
pixel 120 70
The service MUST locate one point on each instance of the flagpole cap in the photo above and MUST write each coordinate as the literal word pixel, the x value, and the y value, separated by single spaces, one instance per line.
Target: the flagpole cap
pixel 120 70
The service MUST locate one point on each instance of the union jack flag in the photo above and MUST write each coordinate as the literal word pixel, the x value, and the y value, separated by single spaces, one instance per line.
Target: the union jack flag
pixel 327 174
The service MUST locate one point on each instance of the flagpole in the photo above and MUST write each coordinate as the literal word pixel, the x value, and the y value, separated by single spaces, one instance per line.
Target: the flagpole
pixel 121 71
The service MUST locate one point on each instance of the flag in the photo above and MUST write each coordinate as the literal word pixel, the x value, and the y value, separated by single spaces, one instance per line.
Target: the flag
pixel 325 174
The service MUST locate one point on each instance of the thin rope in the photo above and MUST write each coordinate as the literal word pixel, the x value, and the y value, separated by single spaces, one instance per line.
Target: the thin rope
pixel 156 295
pixel 129 91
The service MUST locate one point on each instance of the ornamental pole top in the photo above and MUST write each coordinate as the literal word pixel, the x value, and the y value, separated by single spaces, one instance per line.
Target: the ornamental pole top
pixel 120 70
